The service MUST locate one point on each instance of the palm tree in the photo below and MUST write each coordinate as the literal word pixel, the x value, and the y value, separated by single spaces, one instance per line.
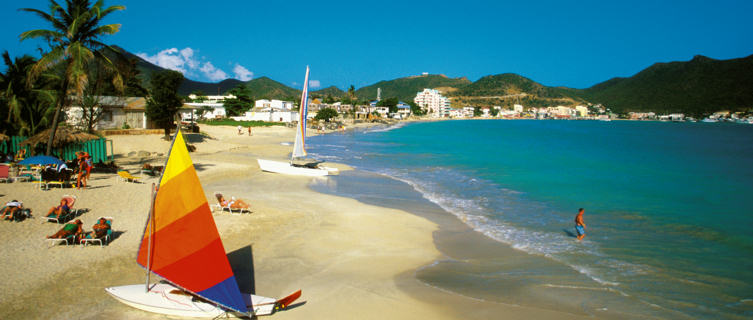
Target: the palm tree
pixel 25 110
pixel 14 90
pixel 73 42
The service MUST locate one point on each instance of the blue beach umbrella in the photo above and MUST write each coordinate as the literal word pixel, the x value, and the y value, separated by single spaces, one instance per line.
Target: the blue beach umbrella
pixel 41 160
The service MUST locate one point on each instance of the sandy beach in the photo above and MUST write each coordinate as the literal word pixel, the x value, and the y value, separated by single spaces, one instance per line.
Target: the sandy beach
pixel 352 260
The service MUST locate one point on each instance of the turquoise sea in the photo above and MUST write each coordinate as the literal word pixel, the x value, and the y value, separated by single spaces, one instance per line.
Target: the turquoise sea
pixel 669 207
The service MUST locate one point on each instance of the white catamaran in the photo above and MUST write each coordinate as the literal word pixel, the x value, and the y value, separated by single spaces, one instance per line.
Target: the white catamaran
pixel 297 166
pixel 182 245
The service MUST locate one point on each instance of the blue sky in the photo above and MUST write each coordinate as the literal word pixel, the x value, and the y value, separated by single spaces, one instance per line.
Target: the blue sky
pixel 557 43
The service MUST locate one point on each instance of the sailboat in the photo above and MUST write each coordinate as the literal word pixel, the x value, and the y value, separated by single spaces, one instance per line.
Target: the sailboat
pixel 295 166
pixel 181 244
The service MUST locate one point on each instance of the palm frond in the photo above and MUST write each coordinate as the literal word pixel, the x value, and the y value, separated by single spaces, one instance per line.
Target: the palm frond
pixel 47 61
pixel 40 33
pixel 107 29
pixel 110 10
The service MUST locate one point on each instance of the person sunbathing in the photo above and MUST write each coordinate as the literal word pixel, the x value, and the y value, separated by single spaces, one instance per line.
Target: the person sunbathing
pixel 11 209
pixel 73 228
pixel 99 229
pixel 233 203
pixel 62 208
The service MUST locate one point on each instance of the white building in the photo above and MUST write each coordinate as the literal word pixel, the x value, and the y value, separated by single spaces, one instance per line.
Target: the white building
pixel 276 116
pixel 265 105
pixel 517 108
pixel 434 102
pixel 206 110
pixel 212 99
pixel 581 111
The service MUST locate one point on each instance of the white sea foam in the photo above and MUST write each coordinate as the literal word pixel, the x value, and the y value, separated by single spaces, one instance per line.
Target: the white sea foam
pixel 549 244
pixel 385 129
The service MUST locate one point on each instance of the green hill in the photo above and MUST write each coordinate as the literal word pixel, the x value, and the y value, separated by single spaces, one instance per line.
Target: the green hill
pixel 699 86
pixel 332 91
pixel 508 84
pixel 405 89
pixel 266 88
pixel 508 88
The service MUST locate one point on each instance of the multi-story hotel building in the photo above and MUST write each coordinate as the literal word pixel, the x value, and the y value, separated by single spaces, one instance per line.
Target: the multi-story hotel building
pixel 434 102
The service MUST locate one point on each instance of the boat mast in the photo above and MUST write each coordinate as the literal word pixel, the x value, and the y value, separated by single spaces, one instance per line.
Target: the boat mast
pixel 150 223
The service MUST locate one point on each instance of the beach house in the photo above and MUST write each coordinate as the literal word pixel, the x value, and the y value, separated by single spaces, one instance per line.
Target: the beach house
pixel 112 112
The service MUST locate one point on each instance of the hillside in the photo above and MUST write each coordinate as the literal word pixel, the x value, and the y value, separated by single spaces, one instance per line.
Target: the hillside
pixel 332 91
pixel 508 88
pixel 266 88
pixel 699 86
pixel 405 89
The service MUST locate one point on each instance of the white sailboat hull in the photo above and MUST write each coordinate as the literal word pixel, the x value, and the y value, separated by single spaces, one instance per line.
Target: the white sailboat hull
pixel 286 168
pixel 159 299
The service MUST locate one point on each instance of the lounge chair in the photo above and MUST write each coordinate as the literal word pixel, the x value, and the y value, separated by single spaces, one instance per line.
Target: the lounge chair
pixel 19 216
pixel 126 176
pixel 68 240
pixel 219 206
pixel 65 216
pixel 103 240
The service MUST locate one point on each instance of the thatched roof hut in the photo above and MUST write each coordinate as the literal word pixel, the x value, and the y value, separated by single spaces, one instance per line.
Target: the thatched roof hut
pixel 63 136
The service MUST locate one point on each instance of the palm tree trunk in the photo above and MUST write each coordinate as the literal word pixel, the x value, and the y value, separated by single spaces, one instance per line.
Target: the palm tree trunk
pixel 60 103
pixel 53 129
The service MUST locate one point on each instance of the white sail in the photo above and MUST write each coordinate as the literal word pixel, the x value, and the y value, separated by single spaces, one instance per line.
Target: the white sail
pixel 299 148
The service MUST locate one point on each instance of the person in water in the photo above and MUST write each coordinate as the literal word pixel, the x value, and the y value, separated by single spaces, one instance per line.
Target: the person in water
pixel 580 226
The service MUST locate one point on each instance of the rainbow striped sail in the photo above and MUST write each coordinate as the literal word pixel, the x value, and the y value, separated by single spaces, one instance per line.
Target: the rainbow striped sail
pixel 186 249
pixel 299 148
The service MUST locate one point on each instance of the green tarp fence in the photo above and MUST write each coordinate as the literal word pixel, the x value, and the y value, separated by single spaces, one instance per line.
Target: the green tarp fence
pixel 97 149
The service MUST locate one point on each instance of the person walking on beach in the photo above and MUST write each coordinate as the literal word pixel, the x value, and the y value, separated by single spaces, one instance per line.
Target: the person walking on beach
pixel 249 131
pixel 580 226
pixel 240 130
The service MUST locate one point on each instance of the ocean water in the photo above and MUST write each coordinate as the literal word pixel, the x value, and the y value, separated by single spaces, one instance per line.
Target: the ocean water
pixel 669 206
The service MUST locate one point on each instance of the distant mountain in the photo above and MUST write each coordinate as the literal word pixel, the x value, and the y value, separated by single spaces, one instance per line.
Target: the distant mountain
pixel 699 86
pixel 509 84
pixel 405 89
pixel 208 88
pixel 333 91
pixel 508 88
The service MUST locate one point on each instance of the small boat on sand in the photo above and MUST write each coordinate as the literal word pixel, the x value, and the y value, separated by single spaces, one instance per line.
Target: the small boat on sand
pixel 181 244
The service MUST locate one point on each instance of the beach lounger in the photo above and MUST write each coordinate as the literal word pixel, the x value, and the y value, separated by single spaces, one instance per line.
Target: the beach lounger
pixel 24 214
pixel 103 240
pixel 68 240
pixel 220 207
pixel 65 216
pixel 126 176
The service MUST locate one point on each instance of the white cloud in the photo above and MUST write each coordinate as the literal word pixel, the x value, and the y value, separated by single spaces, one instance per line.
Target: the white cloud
pixel 213 73
pixel 242 73
pixel 168 59
pixel 187 55
pixel 314 84
pixel 186 62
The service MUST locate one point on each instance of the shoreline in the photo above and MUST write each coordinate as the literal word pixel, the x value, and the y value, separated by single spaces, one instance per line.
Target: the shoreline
pixel 360 261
